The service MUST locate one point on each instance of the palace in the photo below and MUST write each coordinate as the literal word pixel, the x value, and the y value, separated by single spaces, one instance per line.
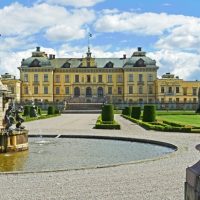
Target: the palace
pixel 88 79
pixel 45 78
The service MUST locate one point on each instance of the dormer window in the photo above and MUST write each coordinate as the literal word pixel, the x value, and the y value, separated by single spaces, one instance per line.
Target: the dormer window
pixel 140 63
pixel 35 63
pixel 109 65
pixel 66 65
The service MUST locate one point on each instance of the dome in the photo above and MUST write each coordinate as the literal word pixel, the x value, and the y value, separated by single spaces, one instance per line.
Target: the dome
pixel 38 59
pixel 139 59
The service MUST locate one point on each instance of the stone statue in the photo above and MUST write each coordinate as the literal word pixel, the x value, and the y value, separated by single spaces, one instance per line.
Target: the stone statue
pixel 8 118
pixel 18 118
pixel 198 108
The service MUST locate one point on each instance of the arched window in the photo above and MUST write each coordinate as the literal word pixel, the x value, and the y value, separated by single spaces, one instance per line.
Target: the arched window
pixel 76 91
pixel 109 65
pixel 88 92
pixel 100 92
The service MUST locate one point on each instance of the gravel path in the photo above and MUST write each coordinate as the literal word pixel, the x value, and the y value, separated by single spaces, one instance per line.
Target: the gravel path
pixel 161 179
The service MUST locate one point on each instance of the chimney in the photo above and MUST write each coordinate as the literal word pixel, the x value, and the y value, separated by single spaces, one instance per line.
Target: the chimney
pixel 53 56
pixel 50 56
pixel 37 48
pixel 139 48
pixel 124 56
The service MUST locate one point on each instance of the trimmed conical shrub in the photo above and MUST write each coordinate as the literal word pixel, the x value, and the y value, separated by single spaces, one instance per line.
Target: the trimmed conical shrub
pixel 33 111
pixel 27 110
pixel 149 114
pixel 136 112
pixel 107 113
pixel 51 110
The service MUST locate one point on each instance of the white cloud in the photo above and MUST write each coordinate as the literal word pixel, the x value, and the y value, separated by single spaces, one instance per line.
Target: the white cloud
pixel 142 23
pixel 74 3
pixel 26 21
pixel 183 37
pixel 183 64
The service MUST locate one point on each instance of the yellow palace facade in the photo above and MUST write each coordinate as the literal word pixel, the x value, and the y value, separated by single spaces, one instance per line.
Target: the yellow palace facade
pixel 80 80
pixel 132 80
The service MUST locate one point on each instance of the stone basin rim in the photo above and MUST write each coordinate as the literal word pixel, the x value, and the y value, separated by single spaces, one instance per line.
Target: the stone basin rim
pixel 117 138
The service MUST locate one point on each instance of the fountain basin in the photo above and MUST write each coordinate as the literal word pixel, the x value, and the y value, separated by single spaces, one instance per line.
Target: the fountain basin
pixel 16 141
pixel 80 152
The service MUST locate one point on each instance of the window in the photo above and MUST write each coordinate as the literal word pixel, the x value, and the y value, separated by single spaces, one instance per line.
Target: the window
pixel 100 80
pixel 109 90
pixel 119 78
pixel 67 78
pixel 45 90
pixel 162 90
pixel 12 90
pixel 25 77
pixel 170 100
pixel 162 100
pixel 88 92
pixel 194 91
pixel 67 90
pixel 35 77
pixel 88 78
pixel 57 90
pixel 140 77
pixel 184 91
pixel 109 78
pixel 45 77
pixel 185 100
pixel 100 92
pixel 119 89
pixel 150 89
pixel 57 78
pixel 35 90
pixel 150 77
pixel 194 100
pixel 177 90
pixel 26 90
pixel 130 89
pixel 76 91
pixel 130 78
pixel 76 78
pixel 177 100
pixel 169 90
pixel 140 90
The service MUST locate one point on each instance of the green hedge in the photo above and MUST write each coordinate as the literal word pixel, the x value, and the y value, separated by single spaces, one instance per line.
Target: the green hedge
pixel 136 112
pixel 51 110
pixel 107 112
pixel 149 114
pixel 159 126
pixel 127 111
pixel 173 124
pixel 106 125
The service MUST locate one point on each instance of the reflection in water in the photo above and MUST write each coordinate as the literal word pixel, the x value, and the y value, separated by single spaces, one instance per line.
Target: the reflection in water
pixel 54 154
pixel 13 161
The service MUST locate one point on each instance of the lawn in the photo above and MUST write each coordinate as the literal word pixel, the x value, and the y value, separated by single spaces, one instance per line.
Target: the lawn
pixel 193 120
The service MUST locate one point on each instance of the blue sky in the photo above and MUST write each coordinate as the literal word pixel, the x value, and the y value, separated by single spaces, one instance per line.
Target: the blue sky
pixel 167 30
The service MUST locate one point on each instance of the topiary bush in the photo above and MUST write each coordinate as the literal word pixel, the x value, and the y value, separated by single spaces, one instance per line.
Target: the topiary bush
pixel 107 113
pixel 51 110
pixel 136 112
pixel 149 114
pixel 39 111
pixel 26 110
pixel 127 111
pixel 56 111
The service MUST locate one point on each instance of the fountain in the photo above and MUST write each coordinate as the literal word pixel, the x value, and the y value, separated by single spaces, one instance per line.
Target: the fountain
pixel 11 139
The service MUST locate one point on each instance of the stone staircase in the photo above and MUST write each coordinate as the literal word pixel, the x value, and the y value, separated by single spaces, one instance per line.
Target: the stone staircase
pixel 83 108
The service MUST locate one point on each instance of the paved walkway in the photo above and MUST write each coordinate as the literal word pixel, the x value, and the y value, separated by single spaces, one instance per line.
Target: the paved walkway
pixel 161 179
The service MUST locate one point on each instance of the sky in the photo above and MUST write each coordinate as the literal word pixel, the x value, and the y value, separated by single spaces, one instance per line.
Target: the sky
pixel 169 31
